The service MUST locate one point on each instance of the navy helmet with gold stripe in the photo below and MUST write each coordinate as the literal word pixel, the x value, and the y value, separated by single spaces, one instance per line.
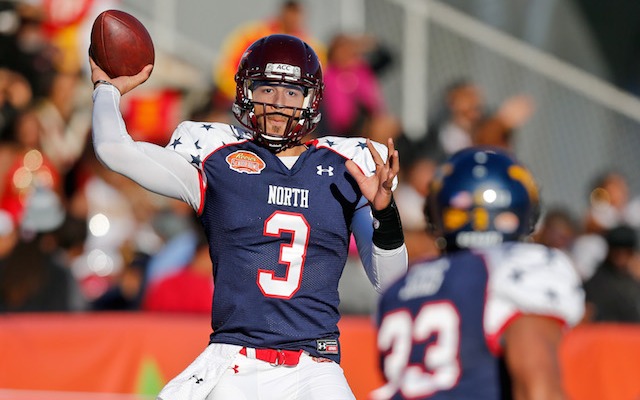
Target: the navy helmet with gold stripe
pixel 481 197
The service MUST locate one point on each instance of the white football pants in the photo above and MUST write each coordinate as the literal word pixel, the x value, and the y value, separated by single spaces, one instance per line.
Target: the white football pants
pixel 221 373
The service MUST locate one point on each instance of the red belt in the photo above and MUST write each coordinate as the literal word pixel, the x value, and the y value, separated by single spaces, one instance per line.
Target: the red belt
pixel 273 357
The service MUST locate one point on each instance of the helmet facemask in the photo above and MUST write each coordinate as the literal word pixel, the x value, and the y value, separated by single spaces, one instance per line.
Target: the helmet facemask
pixel 279 60
pixel 300 120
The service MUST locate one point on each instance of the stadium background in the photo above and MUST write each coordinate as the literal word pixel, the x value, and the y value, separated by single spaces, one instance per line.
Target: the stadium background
pixel 583 123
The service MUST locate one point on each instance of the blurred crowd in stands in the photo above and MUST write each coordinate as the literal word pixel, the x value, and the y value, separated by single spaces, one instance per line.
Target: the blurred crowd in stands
pixel 76 237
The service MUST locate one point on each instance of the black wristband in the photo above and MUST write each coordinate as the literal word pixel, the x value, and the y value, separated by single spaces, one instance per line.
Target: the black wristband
pixel 387 227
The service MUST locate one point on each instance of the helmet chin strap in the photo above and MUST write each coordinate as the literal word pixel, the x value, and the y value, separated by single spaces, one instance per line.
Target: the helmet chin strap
pixel 271 141
pixel 277 143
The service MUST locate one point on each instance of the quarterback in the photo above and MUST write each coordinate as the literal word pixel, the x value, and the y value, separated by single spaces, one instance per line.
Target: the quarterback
pixel 278 212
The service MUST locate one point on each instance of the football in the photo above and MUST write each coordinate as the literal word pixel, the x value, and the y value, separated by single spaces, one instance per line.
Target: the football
pixel 120 44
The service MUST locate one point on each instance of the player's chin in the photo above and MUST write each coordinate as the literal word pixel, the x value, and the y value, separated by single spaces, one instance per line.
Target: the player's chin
pixel 273 128
pixel 275 131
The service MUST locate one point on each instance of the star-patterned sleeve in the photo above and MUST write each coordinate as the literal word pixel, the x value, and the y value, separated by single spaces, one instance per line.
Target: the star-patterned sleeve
pixel 382 267
pixel 153 167
pixel 195 141
pixel 356 150
pixel 530 279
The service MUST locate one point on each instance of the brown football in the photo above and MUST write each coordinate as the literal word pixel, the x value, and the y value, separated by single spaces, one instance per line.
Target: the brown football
pixel 120 44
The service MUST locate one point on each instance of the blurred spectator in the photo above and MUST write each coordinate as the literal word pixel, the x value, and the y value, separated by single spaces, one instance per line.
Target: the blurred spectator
pixel 68 240
pixel 65 123
pixel 31 282
pixel 289 19
pixel 353 97
pixel 26 48
pixel 23 166
pixel 215 108
pixel 589 249
pixel 118 213
pixel 465 120
pixel 126 293
pixel 178 226
pixel 63 244
pixel 610 204
pixel 8 234
pixel 381 127
pixel 189 289
pixel 379 56
pixel 613 293
pixel 462 109
pixel 498 129
pixel 32 277
pixel 44 211
pixel 68 28
pixel 410 198
pixel 558 229
pixel 15 96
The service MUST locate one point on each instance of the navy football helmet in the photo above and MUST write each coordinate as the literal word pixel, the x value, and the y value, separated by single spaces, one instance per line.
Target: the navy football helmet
pixel 279 59
pixel 481 197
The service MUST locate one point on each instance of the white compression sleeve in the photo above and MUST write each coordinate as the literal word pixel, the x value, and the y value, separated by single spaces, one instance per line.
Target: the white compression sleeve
pixel 383 267
pixel 155 168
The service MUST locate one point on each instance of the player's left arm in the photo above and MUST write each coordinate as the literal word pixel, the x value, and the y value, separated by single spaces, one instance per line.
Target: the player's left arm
pixel 377 228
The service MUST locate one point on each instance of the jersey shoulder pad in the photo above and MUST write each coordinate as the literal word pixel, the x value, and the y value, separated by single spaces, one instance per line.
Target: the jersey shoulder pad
pixel 355 149
pixel 527 278
pixel 199 139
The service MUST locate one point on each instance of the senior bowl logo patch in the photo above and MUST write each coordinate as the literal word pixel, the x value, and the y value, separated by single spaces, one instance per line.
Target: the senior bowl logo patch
pixel 243 161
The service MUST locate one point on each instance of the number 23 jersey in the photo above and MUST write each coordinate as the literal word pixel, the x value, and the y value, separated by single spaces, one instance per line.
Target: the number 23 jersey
pixel 439 326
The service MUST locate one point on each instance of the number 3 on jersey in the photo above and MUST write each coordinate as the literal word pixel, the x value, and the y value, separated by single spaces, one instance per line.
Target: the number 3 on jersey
pixel 440 367
pixel 292 254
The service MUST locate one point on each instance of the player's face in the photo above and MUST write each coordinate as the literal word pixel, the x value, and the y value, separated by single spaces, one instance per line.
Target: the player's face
pixel 280 103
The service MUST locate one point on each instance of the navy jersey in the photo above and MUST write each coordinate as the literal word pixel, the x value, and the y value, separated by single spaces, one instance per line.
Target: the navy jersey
pixel 440 325
pixel 278 237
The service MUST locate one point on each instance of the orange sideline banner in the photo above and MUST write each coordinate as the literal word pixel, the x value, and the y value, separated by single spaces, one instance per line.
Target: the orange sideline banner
pixel 136 353
pixel 602 361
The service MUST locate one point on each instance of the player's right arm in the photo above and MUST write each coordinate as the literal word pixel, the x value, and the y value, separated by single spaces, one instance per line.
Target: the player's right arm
pixel 531 356
pixel 156 168
pixel 534 295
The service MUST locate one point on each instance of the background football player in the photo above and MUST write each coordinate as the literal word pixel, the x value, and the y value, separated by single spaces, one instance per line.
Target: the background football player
pixel 278 213
pixel 447 325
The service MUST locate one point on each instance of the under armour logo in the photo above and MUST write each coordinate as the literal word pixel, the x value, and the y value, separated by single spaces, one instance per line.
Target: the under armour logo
pixel 323 170
pixel 236 369
pixel 327 346
pixel 198 380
